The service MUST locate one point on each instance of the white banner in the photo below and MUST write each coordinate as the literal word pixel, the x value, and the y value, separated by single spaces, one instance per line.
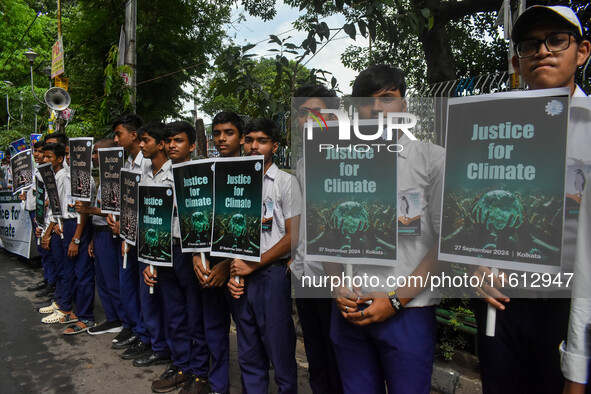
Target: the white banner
pixel 15 226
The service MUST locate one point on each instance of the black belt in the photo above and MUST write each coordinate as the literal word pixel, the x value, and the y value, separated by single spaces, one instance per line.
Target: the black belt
pixel 176 241
pixel 100 229
pixel 278 263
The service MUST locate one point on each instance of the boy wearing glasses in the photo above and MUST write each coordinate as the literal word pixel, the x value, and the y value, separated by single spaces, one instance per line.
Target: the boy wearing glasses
pixel 523 355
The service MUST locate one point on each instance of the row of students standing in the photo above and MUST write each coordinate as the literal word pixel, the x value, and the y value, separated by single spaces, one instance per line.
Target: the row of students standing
pixel 187 320
pixel 67 240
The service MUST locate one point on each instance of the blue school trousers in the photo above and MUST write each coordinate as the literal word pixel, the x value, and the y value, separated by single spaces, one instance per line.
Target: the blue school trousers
pixel 181 296
pixel 397 352
pixel 82 289
pixel 265 330
pixel 107 271
pixel 49 272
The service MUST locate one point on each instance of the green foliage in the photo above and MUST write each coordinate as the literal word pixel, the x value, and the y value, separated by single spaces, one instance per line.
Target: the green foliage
pixel 117 97
pixel 176 40
pixel 258 87
pixel 475 44
pixel 450 338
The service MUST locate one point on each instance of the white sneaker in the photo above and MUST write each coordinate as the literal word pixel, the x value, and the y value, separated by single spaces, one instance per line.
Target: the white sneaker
pixel 53 318
pixel 49 309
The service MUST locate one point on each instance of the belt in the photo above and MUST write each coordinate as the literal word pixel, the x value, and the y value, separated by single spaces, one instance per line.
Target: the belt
pixel 176 241
pixel 100 229
pixel 278 263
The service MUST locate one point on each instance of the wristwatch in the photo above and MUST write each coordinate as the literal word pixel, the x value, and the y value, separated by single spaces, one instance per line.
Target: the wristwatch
pixel 395 301
pixel 76 241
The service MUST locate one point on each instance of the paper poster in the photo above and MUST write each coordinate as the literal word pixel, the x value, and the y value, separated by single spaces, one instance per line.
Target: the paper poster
pixel 40 203
pixel 193 186
pixel 15 227
pixel 110 165
pixel 128 227
pixel 53 196
pixel 22 171
pixel 238 191
pixel 505 180
pixel 350 190
pixel 80 168
pixel 154 244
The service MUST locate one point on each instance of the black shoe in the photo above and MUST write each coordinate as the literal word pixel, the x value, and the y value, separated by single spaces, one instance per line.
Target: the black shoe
pixel 139 349
pixel 106 327
pixel 171 379
pixel 195 385
pixel 39 286
pixel 49 289
pixel 151 358
pixel 129 342
pixel 123 335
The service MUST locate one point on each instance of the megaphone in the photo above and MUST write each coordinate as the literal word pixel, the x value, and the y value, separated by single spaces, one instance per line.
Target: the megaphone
pixel 57 99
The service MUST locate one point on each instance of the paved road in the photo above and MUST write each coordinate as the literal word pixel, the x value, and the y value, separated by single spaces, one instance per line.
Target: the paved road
pixel 37 358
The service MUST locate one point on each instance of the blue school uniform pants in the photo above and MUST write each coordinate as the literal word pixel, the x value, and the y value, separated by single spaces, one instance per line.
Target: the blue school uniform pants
pixel 107 271
pixel 181 296
pixel 82 289
pixel 265 331
pixel 397 352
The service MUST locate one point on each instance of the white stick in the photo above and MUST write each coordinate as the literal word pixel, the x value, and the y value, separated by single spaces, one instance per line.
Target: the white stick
pixel 349 273
pixel 152 272
pixel 491 313
pixel 125 255
pixel 59 224
pixel 114 235
pixel 204 264
pixel 78 220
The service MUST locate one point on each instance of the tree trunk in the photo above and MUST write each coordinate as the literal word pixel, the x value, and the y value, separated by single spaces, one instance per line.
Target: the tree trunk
pixel 438 55
pixel 201 138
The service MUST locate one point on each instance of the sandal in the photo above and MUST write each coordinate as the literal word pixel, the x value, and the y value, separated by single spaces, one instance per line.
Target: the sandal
pixel 68 318
pixel 79 327
pixel 53 318
pixel 49 309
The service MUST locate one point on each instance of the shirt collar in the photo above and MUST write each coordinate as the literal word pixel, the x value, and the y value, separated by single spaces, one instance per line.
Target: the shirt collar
pixel 272 171
pixel 165 167
pixel 138 159
pixel 579 92
pixel 405 142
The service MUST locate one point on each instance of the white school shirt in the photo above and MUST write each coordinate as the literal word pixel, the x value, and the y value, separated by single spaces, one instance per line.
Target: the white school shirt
pixel 138 163
pixel 282 190
pixel 420 169
pixel 575 353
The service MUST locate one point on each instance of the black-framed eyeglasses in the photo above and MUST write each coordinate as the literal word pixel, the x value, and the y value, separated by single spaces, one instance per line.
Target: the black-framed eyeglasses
pixel 555 42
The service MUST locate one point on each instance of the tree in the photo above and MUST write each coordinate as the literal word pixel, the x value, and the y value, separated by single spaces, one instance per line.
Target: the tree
pixel 176 41
pixel 457 38
pixel 262 87
pixel 261 76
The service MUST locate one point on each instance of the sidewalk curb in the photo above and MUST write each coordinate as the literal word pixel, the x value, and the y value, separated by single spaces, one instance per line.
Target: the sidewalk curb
pixel 448 381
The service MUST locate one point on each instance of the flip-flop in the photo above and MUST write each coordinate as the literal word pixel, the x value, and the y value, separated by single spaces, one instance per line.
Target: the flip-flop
pixel 77 328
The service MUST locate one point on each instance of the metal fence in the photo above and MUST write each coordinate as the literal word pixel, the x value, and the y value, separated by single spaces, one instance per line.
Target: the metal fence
pixel 429 102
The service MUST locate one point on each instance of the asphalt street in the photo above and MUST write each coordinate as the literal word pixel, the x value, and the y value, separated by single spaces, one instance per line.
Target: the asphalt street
pixel 38 358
